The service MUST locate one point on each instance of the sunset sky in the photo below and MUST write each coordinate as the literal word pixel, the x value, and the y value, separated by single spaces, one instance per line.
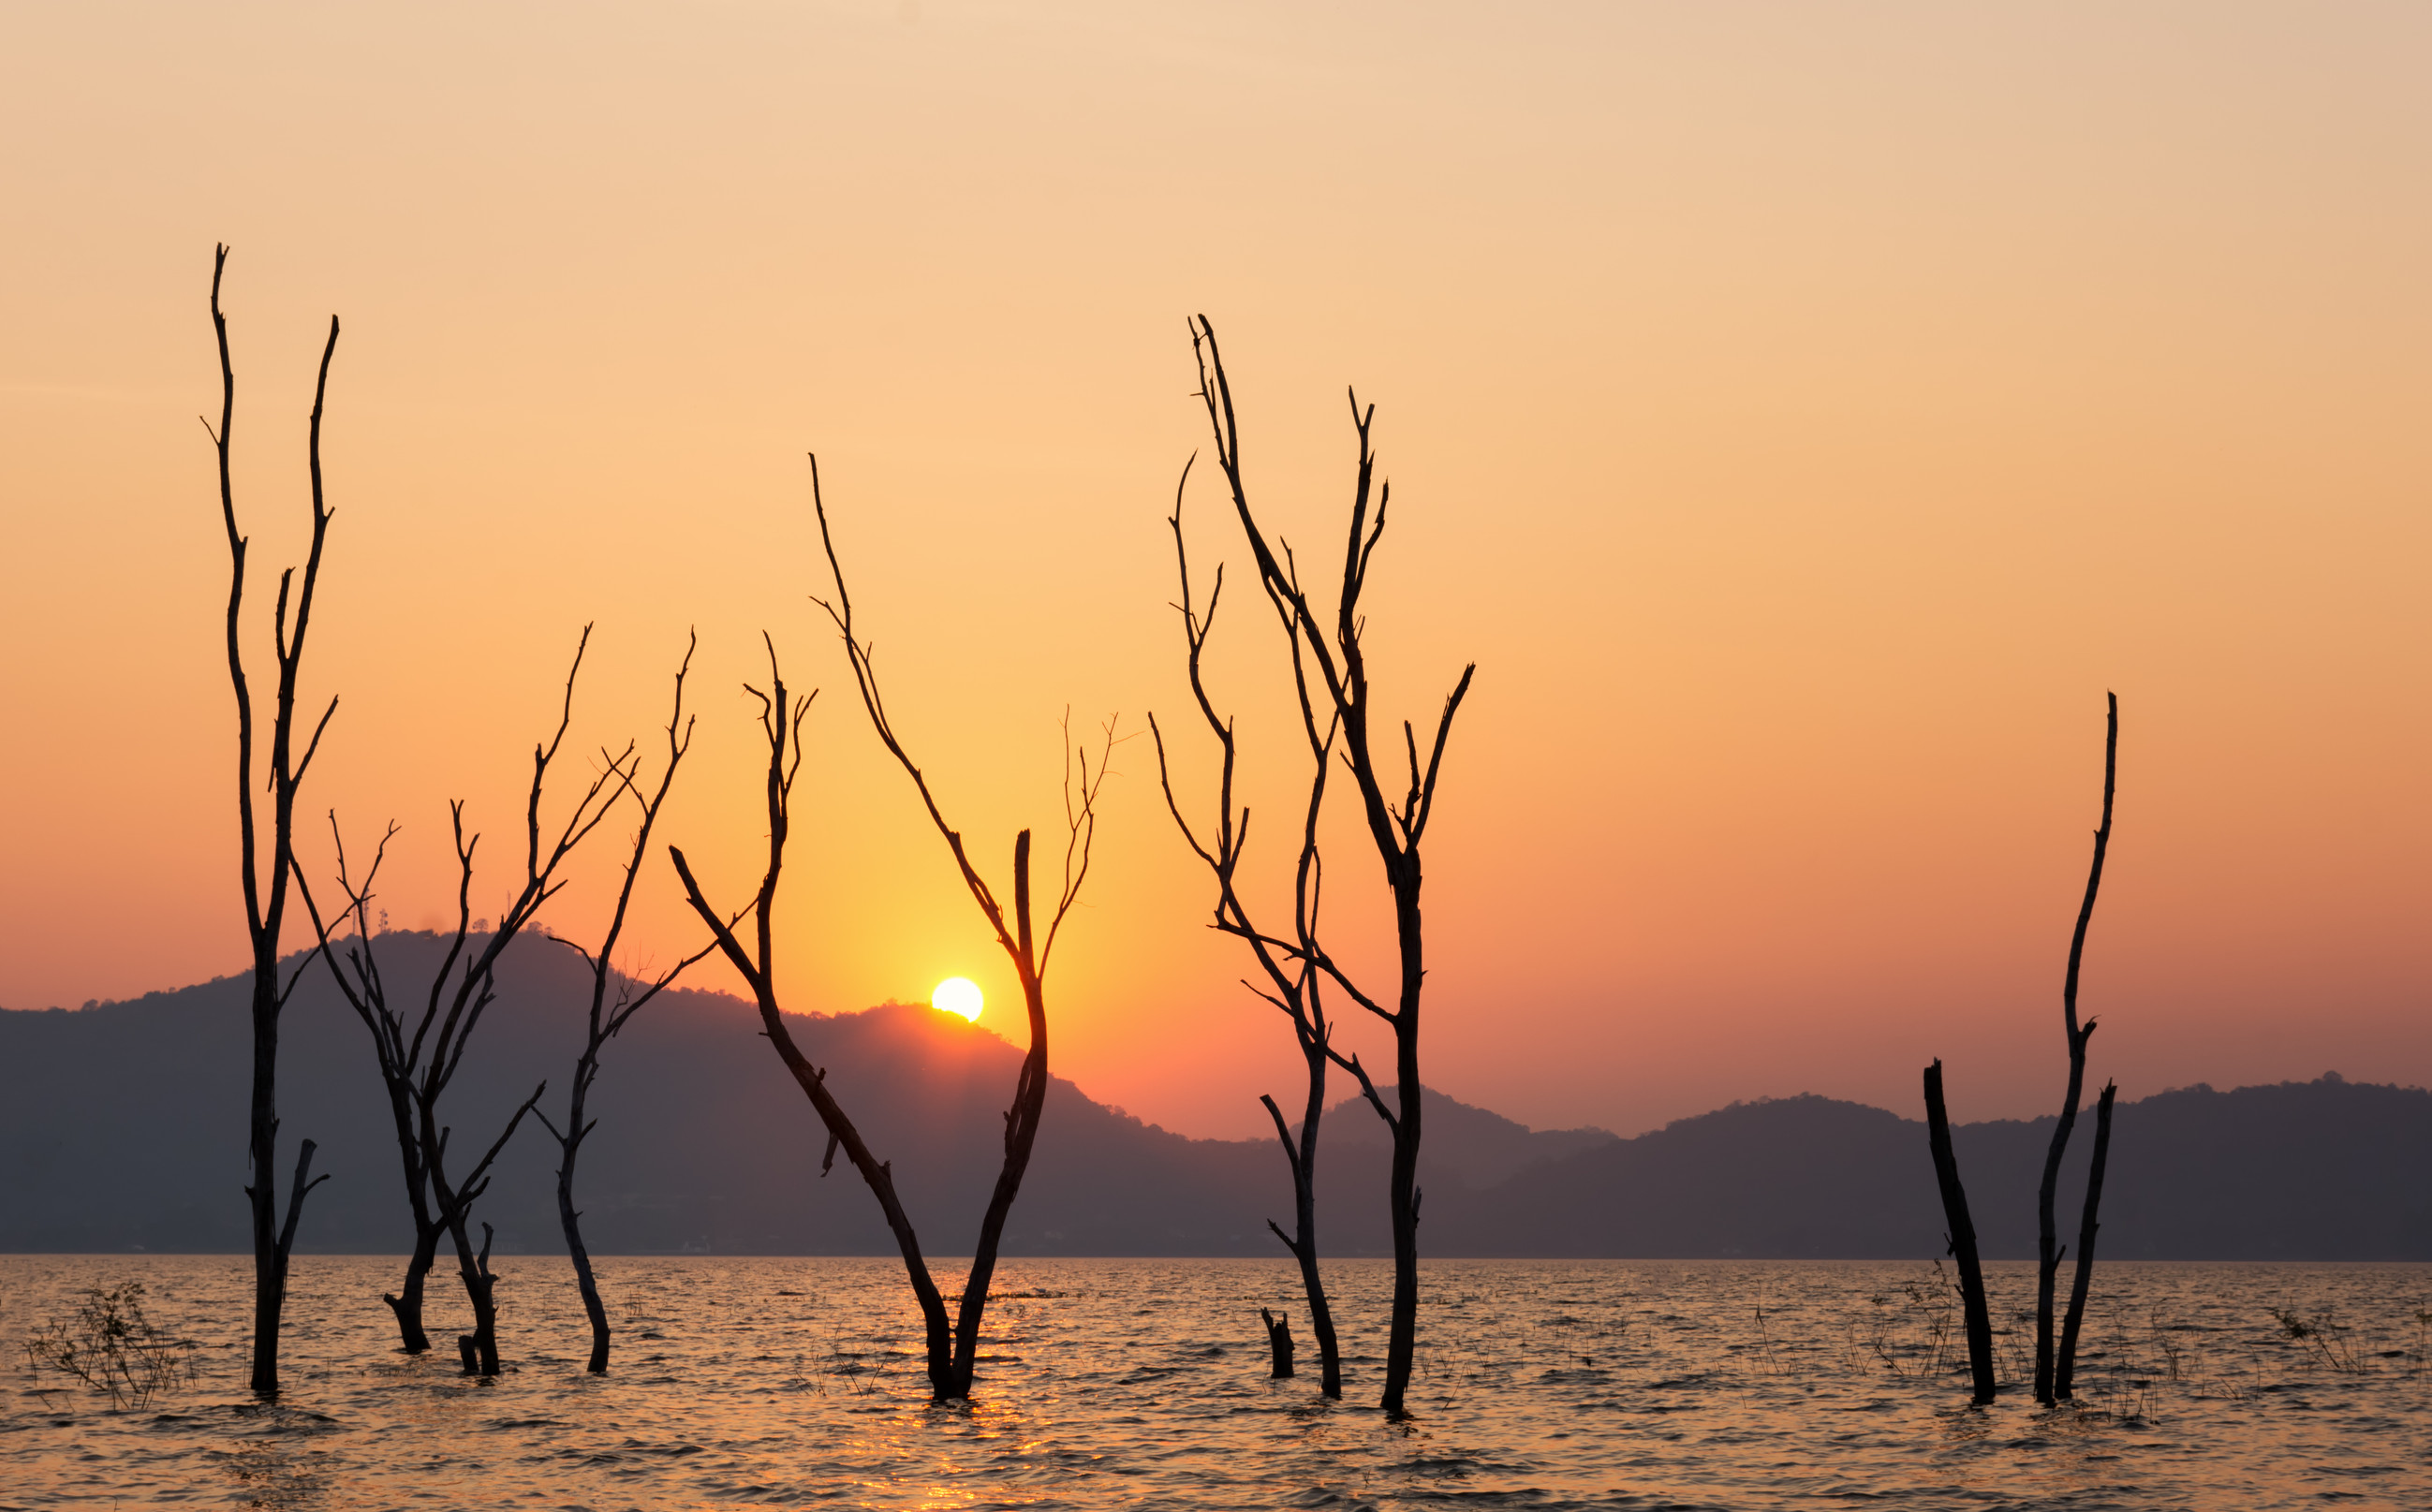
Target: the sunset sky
pixel 1802 414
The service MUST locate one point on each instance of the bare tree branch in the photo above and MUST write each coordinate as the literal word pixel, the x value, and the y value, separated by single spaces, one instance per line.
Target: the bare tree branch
pixel 1329 656
pixel 264 887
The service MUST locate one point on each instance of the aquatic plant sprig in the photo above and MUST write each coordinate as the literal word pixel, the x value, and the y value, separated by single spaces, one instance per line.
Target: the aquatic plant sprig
pixel 112 1347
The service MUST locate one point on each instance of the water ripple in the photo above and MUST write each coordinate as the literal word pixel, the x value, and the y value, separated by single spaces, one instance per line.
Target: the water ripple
pixel 1140 1384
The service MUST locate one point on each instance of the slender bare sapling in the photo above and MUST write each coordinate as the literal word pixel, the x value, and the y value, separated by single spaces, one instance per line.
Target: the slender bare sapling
pixel 264 887
pixel 1335 653
pixel 608 1015
pixel 1288 964
pixel 419 1052
pixel 2048 1249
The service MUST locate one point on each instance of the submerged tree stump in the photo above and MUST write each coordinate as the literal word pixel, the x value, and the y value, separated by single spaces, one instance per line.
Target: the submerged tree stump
pixel 408 1322
pixel 1279 1342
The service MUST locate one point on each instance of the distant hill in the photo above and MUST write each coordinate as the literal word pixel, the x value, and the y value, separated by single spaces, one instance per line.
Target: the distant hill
pixel 2315 1171
pixel 122 1126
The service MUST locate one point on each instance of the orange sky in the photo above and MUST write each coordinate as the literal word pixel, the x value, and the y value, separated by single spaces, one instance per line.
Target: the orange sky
pixel 1802 414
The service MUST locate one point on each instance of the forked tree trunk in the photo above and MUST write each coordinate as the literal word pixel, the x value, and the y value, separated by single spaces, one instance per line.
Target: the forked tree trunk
pixel 282 1245
pixel 1302 1156
pixel 1976 1314
pixel 481 1289
pixel 407 1302
pixel 2065 1370
pixel 265 887
pixel 2047 1250
pixel 2047 1247
pixel 953 1347
pixel 952 1343
pixel 455 1207
pixel 1021 1137
pixel 1397 822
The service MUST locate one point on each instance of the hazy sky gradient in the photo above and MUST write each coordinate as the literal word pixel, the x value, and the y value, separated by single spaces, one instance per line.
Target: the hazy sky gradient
pixel 1802 413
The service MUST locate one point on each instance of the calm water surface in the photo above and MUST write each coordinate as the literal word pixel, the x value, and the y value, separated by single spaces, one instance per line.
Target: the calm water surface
pixel 1141 1384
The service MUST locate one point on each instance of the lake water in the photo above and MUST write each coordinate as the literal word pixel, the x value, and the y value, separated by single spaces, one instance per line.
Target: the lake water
pixel 1142 1383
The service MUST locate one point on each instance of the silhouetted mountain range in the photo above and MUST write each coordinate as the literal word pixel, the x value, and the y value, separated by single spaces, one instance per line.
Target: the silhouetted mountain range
pixel 122 1126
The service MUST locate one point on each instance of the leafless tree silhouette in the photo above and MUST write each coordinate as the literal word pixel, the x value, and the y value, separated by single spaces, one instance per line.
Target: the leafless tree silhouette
pixel 417 1061
pixel 1974 1310
pixel 1280 1344
pixel 2048 1251
pixel 1338 658
pixel 608 1017
pixel 265 887
pixel 2064 1369
pixel 953 1346
pixel 1289 963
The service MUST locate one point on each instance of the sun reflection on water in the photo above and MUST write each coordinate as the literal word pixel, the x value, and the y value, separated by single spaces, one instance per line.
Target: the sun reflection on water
pixel 1143 1384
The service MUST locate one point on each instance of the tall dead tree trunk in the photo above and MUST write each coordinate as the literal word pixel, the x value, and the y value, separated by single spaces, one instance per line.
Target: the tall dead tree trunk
pixel 953 1347
pixel 1289 965
pixel 2065 1370
pixel 418 1062
pixel 1340 660
pixel 2047 1250
pixel 265 888
pixel 606 1020
pixel 407 1304
pixel 1960 1230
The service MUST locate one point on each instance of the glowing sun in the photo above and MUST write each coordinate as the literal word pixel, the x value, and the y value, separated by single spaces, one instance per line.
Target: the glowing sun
pixel 957 995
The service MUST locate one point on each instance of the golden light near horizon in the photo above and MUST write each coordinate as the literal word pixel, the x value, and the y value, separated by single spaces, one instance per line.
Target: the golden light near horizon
pixel 959 996
pixel 1813 415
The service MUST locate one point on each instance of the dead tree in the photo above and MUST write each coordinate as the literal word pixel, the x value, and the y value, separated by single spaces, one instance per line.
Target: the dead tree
pixel 607 1017
pixel 265 887
pixel 2048 1251
pixel 781 722
pixel 418 1060
pixel 2064 1371
pixel 1279 1345
pixel 952 1345
pixel 1289 963
pixel 1961 1231
pixel 1024 947
pixel 1340 660
pixel 455 1204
